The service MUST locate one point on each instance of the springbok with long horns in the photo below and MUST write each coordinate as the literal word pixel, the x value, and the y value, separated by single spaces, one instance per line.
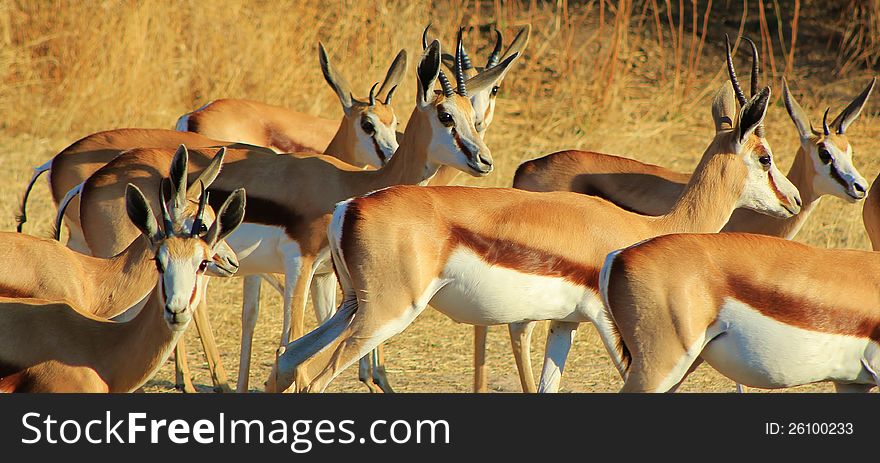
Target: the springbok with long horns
pixel 498 256
pixel 822 166
pixel 55 347
pixel 285 228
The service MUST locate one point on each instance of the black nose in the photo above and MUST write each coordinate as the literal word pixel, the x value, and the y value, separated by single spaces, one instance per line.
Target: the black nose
pixel 859 187
pixel 797 200
pixel 485 161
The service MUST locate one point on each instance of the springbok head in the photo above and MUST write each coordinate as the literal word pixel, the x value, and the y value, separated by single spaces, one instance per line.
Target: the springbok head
pixel 449 114
pixel 484 101
pixel 372 121
pixel 183 254
pixel 184 206
pixel 766 189
pixel 829 149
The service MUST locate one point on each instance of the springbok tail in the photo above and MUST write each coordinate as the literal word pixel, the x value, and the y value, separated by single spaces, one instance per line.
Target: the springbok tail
pixel 606 325
pixel 21 217
pixel 75 191
pixel 182 124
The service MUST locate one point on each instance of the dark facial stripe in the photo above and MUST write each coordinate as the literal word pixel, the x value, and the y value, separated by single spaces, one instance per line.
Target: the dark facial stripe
pixel 460 145
pixel 525 259
pixel 793 309
pixel 781 197
pixel 379 152
pixel 835 174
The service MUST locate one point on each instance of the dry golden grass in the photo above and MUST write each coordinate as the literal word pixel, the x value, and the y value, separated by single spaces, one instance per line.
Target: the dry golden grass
pixel 596 75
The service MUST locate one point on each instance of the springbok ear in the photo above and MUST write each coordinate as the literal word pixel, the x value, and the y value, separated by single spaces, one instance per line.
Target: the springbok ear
pixel 208 175
pixel 429 68
pixel 851 112
pixel 752 114
pixel 229 217
pixel 490 77
pixel 797 114
pixel 519 42
pixel 393 77
pixel 178 173
pixel 724 107
pixel 141 214
pixel 336 81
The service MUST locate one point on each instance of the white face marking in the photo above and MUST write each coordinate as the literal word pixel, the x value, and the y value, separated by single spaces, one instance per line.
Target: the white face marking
pixel 484 109
pixel 760 351
pixel 179 278
pixel 385 136
pixel 758 193
pixel 841 161
pixel 480 294
pixel 444 149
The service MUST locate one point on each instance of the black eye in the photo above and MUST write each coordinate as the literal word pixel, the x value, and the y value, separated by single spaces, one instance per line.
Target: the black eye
pixel 368 126
pixel 495 90
pixel 824 155
pixel 203 266
pixel 765 160
pixel 446 119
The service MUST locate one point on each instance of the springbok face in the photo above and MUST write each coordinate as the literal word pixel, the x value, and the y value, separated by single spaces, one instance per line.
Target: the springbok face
pixel 483 101
pixel 185 206
pixel 372 121
pixel 828 149
pixel 183 255
pixel 765 190
pixel 455 140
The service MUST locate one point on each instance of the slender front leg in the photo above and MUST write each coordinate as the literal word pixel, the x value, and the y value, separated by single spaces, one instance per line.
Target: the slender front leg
pixel 324 295
pixel 182 376
pixel 297 279
pixel 250 311
pixel 558 344
pixel 380 376
pixel 521 342
pixel 480 381
pixel 365 372
pixel 209 344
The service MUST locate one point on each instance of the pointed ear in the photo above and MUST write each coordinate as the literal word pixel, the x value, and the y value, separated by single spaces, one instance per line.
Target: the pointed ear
pixel 178 173
pixel 141 214
pixel 752 114
pixel 848 115
pixel 519 42
pixel 336 81
pixel 229 217
pixel 724 107
pixel 797 114
pixel 490 77
pixel 429 68
pixel 394 75
pixel 208 175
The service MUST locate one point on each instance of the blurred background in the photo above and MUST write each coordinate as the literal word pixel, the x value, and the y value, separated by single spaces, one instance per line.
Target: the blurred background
pixel 628 77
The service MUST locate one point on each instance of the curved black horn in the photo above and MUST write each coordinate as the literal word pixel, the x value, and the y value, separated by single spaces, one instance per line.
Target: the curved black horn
pixel 390 93
pixel 740 97
pixel 466 60
pixel 200 213
pixel 441 76
pixel 495 56
pixel 373 94
pixel 756 67
pixel 825 128
pixel 166 216
pixel 461 88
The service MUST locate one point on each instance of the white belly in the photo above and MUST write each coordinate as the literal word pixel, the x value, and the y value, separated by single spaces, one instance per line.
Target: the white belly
pixel 759 351
pixel 481 294
pixel 257 247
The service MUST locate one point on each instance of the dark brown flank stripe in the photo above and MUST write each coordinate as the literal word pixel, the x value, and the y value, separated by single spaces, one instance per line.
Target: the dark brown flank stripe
pixel 525 259
pixel 799 311
pixel 262 211
pixel 6 291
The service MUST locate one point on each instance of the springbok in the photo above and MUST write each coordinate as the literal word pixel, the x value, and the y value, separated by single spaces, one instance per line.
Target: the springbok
pixel 285 229
pixel 366 136
pixel 822 166
pixel 56 347
pixel 498 256
pixel 786 315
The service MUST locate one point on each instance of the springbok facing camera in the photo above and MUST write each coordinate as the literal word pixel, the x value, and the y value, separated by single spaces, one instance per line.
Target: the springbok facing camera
pixel 498 256
pixel 54 347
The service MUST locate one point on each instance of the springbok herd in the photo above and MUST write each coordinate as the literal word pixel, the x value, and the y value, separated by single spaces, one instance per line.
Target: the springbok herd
pixel 581 237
